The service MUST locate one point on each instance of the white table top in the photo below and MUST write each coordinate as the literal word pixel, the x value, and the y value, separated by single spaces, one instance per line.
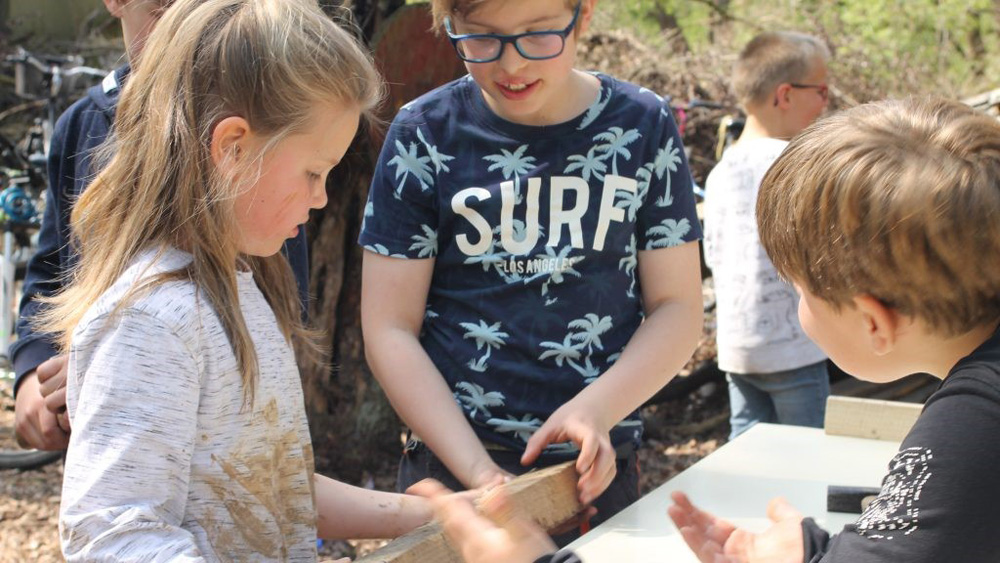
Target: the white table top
pixel 736 482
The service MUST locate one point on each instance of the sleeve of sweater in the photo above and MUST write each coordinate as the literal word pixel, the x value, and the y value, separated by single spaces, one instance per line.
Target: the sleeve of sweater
pixel 560 557
pixel 134 409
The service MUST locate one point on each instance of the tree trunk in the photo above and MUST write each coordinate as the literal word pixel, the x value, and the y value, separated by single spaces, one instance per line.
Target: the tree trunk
pixel 353 426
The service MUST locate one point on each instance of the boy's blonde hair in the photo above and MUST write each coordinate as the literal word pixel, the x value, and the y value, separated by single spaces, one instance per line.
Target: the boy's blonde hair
pixel 774 58
pixel 271 62
pixel 898 200
pixel 441 9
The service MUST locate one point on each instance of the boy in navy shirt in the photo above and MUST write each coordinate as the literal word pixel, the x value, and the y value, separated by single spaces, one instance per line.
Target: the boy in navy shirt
pixel 532 269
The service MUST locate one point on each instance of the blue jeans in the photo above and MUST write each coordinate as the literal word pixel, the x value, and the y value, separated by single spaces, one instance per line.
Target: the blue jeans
pixel 796 396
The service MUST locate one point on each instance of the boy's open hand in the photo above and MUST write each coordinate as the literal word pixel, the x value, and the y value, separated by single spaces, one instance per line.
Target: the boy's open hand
pixel 715 540
pixel 498 535
pixel 596 462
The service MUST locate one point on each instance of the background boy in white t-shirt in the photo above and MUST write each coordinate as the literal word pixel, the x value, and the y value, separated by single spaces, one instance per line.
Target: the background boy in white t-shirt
pixel 775 373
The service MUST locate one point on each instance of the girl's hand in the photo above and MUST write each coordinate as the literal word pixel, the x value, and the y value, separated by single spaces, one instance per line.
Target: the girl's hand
pixel 715 540
pixel 596 462
pixel 498 534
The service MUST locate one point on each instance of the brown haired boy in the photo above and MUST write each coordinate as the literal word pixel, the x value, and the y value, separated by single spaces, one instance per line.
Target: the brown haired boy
pixel 885 219
pixel 775 373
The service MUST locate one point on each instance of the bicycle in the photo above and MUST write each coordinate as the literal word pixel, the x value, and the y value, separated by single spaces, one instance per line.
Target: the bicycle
pixel 48 84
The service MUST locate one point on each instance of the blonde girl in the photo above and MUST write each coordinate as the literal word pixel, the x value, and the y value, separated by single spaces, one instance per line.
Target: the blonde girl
pixel 189 436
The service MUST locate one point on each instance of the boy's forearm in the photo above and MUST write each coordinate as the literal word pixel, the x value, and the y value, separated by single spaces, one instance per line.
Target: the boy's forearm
pixel 348 512
pixel 420 396
pixel 657 351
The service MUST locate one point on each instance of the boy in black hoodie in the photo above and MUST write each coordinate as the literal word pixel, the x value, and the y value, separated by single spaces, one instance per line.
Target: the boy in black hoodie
pixel 883 218
pixel 40 392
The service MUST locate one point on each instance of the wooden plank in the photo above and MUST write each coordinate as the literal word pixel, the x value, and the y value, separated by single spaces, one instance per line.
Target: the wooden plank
pixel 547 496
pixel 869 418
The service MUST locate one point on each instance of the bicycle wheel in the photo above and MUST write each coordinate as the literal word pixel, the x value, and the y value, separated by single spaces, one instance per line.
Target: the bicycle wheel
pixel 27 459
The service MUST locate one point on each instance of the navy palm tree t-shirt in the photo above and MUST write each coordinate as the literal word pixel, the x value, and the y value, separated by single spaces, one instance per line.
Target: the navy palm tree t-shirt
pixel 535 233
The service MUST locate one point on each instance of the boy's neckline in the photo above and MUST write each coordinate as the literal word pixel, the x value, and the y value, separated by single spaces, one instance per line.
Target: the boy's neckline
pixel 488 118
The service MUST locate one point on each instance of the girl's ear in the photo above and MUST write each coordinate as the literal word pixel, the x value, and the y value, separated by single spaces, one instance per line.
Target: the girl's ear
pixel 883 324
pixel 231 138
pixel 115 7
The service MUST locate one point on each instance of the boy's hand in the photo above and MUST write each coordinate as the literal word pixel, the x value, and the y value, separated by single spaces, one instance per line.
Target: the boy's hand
pixel 715 540
pixel 487 474
pixel 596 462
pixel 36 426
pixel 499 535
pixel 52 380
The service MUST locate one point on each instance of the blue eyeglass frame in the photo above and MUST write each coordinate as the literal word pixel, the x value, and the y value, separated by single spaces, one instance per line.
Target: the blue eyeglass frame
pixel 512 39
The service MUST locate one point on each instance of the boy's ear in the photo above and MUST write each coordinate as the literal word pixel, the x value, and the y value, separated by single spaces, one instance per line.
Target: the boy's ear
pixel 883 325
pixel 586 14
pixel 230 142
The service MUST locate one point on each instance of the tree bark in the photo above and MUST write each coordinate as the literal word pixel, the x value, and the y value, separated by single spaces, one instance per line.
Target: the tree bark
pixel 353 426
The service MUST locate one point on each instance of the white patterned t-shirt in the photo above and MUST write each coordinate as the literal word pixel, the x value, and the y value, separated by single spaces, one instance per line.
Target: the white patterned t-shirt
pixel 165 462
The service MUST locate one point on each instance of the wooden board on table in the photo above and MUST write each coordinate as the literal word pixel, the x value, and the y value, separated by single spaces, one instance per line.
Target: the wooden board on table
pixel 869 418
pixel 547 496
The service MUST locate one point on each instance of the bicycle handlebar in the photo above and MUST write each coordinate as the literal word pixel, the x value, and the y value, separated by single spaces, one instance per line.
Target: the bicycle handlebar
pixel 55 65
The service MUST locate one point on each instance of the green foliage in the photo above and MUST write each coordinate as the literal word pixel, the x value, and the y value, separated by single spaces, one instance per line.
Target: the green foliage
pixel 881 47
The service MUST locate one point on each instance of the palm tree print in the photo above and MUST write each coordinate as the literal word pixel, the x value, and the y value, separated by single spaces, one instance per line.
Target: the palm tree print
pixel 426 245
pixel 512 163
pixel 382 250
pixel 486 336
pixel 495 259
pixel 409 162
pixel 556 276
pixel 564 351
pixel 477 400
pixel 439 159
pixel 670 232
pixel 632 201
pixel 587 165
pixel 615 142
pixel 522 428
pixel 591 328
pixel 595 109
pixel 668 158
pixel 628 264
pixel 369 212
pixel 579 344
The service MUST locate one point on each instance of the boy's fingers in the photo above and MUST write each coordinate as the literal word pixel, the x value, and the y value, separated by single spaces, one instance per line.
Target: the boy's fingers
pixel 56 402
pixel 780 509
pixel 50 368
pixel 704 549
pixel 535 445
pixel 598 477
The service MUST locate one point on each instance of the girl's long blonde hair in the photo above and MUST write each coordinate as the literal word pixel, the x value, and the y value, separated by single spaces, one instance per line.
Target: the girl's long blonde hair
pixel 271 62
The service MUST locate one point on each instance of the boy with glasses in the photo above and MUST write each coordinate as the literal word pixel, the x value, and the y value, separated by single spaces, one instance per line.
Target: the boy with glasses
pixel 532 269
pixel 775 373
